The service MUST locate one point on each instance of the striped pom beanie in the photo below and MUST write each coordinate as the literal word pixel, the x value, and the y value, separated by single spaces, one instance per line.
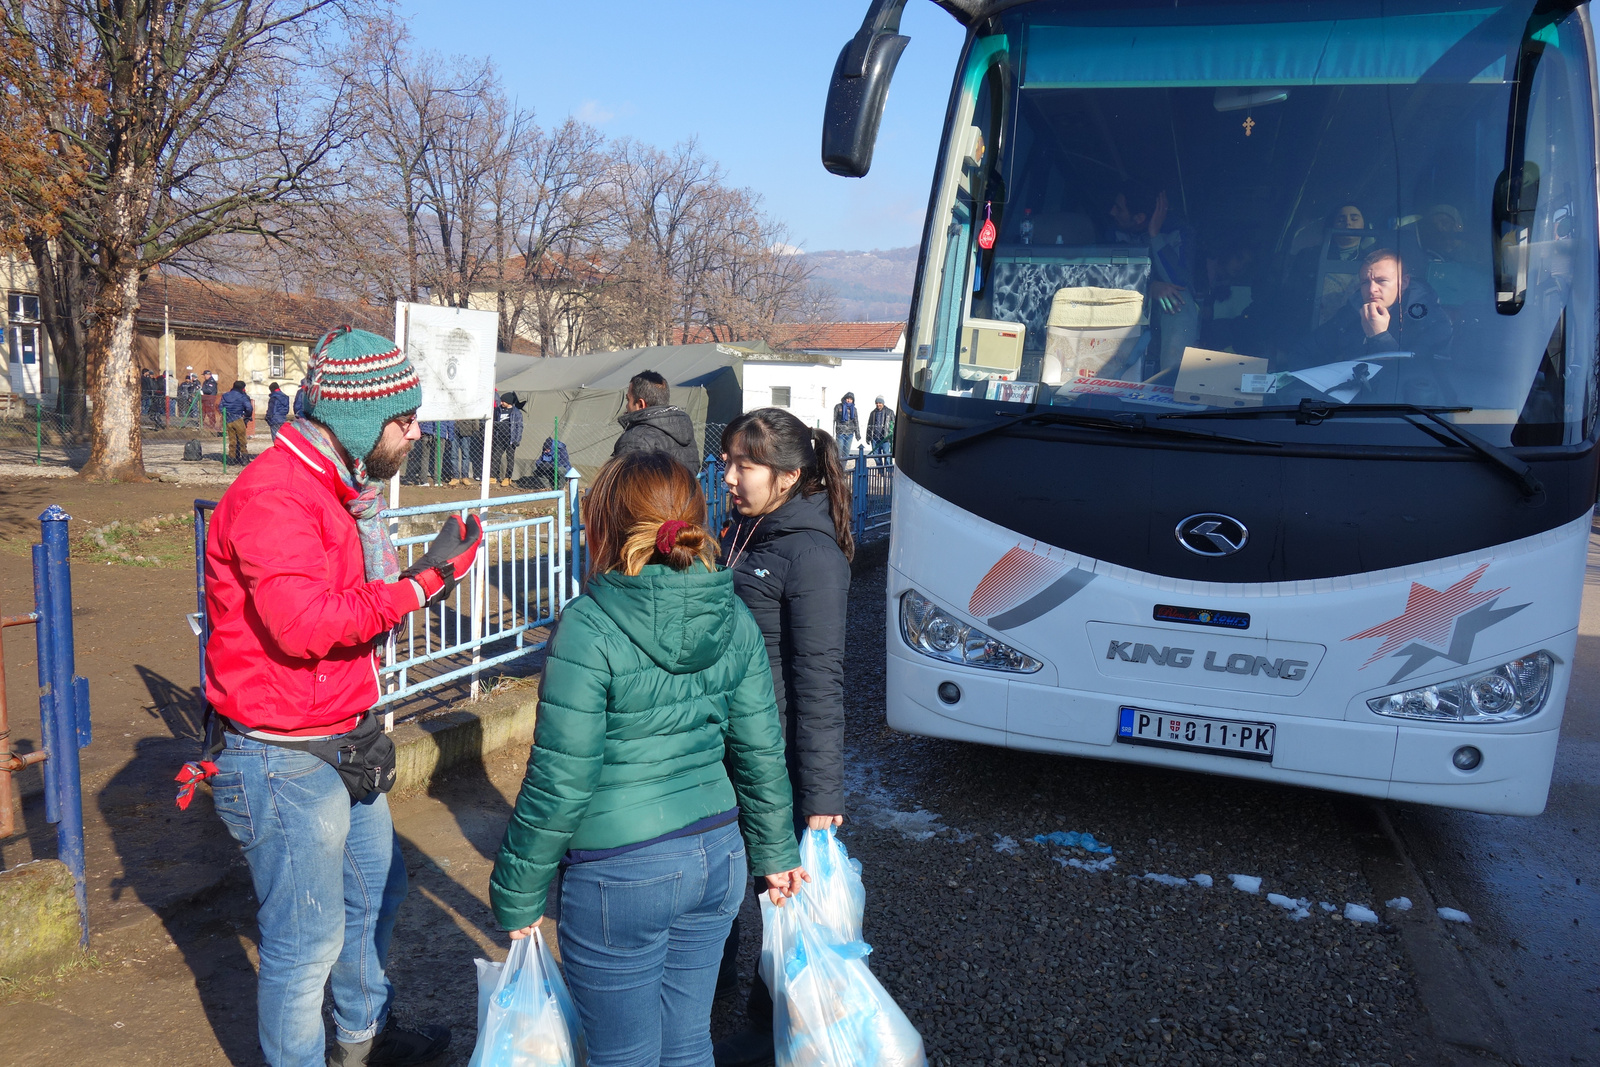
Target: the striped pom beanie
pixel 359 381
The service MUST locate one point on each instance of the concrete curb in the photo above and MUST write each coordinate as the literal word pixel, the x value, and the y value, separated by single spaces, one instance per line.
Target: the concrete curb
pixel 1461 1012
pixel 427 747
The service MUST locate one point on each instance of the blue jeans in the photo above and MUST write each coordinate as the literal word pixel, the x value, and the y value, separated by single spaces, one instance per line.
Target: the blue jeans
pixel 641 938
pixel 329 879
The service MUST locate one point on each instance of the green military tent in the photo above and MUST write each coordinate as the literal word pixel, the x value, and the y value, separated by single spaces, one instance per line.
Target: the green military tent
pixel 587 393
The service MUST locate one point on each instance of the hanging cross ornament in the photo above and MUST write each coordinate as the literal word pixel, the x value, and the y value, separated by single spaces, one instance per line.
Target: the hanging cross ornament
pixel 1249 124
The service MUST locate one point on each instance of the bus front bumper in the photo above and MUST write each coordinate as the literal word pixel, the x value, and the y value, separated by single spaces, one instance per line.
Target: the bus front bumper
pixel 1395 762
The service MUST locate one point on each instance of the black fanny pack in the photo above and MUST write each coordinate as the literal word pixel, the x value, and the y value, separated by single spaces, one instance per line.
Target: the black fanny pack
pixel 364 757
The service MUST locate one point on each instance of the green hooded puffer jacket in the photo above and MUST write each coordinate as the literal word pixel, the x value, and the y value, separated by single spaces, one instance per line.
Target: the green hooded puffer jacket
pixel 650 678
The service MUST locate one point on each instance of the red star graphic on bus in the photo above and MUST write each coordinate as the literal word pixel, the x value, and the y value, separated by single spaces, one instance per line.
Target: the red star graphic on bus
pixel 1430 615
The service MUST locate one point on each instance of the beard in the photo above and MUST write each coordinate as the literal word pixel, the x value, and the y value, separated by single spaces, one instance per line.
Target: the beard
pixel 384 462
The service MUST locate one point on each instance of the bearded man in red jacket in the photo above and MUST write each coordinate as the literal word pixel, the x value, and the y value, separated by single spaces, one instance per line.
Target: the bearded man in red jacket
pixel 302 585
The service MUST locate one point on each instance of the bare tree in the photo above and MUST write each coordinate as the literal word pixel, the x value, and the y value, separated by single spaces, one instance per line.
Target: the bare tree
pixel 212 124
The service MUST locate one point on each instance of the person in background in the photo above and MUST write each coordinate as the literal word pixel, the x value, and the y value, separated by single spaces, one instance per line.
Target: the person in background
pixel 846 424
pixel 189 398
pixel 652 425
pixel 507 436
pixel 880 428
pixel 468 451
pixel 1140 218
pixel 301 397
pixel 237 411
pixel 209 401
pixel 302 584
pixel 789 547
pixel 656 780
pixel 277 409
pixel 438 464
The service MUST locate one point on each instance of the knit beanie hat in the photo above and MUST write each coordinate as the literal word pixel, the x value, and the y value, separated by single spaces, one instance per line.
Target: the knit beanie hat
pixel 359 381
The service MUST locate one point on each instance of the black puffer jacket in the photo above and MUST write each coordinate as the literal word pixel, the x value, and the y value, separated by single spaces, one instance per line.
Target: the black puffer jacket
pixel 663 428
pixel 791 573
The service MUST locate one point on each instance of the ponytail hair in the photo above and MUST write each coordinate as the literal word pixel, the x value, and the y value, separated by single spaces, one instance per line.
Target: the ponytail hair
pixel 645 507
pixel 776 439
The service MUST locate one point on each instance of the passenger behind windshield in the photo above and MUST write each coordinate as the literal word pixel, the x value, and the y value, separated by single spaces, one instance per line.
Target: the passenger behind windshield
pixel 1141 217
pixel 1323 271
pixel 1388 311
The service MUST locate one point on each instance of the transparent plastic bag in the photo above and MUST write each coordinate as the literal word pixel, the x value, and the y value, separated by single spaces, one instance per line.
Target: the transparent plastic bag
pixel 834 897
pixel 828 1009
pixel 525 1015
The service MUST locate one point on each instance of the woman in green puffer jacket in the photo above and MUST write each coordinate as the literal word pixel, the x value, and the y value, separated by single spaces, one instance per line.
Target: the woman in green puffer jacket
pixel 655 673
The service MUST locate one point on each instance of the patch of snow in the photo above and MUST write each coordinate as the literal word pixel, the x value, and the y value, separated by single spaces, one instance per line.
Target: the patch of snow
pixel 1004 845
pixel 916 825
pixel 1451 915
pixel 1203 881
pixel 1165 879
pixel 1091 865
pixel 1325 906
pixel 1072 839
pixel 1297 909
pixel 961 836
pixel 1357 913
pixel 1245 883
pixel 881 808
pixel 1399 903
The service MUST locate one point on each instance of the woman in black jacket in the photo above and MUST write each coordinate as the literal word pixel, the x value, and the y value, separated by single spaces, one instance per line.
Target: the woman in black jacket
pixel 788 544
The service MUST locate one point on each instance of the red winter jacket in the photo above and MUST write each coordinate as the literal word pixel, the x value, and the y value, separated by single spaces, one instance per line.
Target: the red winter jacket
pixel 294 621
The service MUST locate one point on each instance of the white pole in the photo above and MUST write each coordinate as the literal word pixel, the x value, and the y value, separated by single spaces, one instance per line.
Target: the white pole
pixel 400 340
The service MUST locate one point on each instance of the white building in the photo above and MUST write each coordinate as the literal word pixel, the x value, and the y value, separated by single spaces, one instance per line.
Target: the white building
pixel 820 362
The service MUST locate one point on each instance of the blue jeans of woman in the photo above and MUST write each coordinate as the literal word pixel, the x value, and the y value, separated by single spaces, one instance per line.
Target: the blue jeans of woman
pixel 641 937
pixel 329 879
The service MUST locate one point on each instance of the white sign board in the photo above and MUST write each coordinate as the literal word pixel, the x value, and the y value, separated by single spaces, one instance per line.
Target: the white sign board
pixel 453 350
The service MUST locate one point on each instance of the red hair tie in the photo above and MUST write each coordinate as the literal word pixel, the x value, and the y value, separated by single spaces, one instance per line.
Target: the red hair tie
pixel 667 535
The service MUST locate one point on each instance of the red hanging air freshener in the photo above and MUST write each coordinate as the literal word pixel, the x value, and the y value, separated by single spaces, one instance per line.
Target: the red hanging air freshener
pixel 986 235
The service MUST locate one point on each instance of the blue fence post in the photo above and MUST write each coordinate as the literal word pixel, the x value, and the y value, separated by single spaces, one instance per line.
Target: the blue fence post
pixel 68 700
pixel 201 623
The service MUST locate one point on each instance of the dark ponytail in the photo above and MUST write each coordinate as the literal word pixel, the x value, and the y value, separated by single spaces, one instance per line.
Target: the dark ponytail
pixel 776 439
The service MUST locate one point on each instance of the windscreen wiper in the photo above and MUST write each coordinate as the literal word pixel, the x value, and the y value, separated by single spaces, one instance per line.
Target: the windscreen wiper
pixel 1124 422
pixel 1310 412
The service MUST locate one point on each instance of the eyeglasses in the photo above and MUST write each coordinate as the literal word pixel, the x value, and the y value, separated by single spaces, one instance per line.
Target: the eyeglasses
pixel 405 422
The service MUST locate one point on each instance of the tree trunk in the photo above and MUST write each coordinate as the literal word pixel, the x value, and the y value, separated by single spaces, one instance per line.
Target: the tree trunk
pixel 115 448
pixel 66 291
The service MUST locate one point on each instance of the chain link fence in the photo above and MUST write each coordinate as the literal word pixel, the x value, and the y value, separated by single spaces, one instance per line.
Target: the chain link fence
pixel 53 430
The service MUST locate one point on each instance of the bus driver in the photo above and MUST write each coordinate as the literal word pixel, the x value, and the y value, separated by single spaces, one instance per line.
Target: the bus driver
pixel 1389 311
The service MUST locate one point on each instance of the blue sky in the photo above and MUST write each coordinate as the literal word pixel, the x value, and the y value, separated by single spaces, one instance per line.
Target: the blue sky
pixel 747 78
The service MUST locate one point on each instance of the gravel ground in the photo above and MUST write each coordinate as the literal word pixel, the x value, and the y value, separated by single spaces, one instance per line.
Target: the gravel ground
pixel 1000 953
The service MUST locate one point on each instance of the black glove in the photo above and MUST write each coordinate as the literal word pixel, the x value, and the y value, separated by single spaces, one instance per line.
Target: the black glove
pixel 449 558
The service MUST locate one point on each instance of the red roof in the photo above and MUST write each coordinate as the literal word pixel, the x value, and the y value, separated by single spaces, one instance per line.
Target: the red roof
pixel 839 336
pixel 237 312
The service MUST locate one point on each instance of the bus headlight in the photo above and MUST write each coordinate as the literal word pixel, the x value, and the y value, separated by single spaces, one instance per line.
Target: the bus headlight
pixel 1511 691
pixel 926 628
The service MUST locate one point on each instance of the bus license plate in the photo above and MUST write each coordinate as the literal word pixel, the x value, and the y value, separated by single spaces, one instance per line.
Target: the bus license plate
pixel 1225 737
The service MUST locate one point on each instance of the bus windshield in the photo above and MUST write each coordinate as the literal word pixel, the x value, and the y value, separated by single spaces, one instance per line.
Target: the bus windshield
pixel 1165 209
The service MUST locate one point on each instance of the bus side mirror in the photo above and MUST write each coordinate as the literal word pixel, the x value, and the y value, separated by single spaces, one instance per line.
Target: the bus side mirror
pixel 1515 199
pixel 859 88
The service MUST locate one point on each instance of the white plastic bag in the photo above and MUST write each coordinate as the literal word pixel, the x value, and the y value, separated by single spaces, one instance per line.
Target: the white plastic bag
pixel 834 896
pixel 525 1015
pixel 828 1009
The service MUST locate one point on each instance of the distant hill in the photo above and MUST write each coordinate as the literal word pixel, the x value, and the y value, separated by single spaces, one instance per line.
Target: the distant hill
pixel 870 286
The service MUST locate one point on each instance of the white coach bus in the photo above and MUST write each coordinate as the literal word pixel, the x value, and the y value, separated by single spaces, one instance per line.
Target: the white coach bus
pixel 1249 411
